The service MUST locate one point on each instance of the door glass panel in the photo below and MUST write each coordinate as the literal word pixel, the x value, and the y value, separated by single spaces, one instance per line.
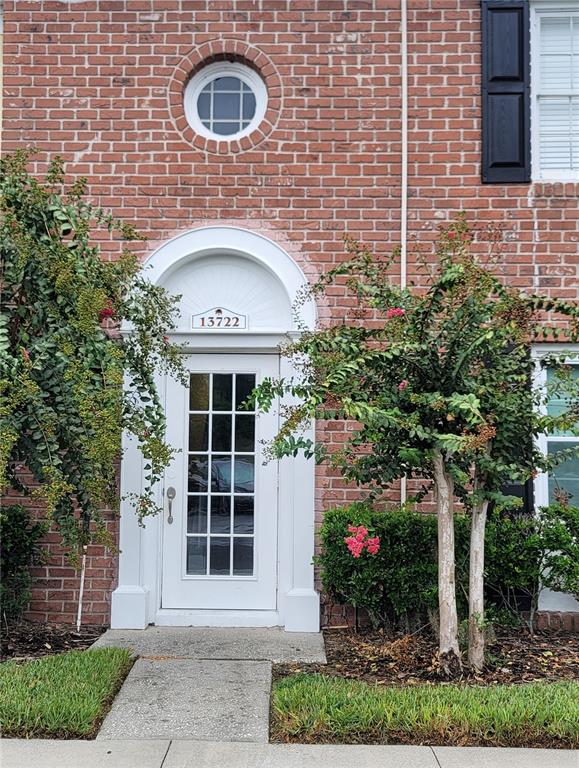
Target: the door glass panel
pixel 199 432
pixel 222 391
pixel 244 474
pixel 199 392
pixel 221 433
pixel 197 473
pixel 243 514
pixel 244 384
pixel 221 481
pixel 242 557
pixel 244 432
pixel 220 514
pixel 219 554
pixel 196 555
pixel 197 514
pixel 221 474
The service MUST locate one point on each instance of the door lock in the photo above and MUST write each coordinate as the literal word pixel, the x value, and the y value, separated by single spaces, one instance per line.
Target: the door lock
pixel 170 495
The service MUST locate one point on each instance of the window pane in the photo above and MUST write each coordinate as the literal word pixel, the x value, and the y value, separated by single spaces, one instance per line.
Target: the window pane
pixel 245 433
pixel 226 106
pixel 219 556
pixel 222 391
pixel 198 432
pixel 221 474
pixel 556 34
pixel 555 73
pixel 565 477
pixel 220 514
pixel 203 105
pixel 555 152
pixel 243 482
pixel 227 84
pixel 248 106
pixel 243 557
pixel 244 385
pixel 226 129
pixel 197 514
pixel 243 514
pixel 199 392
pixel 197 473
pixel 196 556
pixel 566 393
pixel 221 433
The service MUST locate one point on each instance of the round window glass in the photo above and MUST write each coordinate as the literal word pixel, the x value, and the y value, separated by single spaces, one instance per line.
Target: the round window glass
pixel 225 101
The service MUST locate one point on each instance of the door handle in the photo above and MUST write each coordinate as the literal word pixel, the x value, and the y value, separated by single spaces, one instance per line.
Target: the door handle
pixel 170 495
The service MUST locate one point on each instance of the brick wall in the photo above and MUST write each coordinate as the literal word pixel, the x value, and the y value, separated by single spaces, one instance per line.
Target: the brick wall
pixel 99 83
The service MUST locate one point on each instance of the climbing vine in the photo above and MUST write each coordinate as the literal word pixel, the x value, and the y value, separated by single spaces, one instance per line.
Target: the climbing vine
pixel 64 357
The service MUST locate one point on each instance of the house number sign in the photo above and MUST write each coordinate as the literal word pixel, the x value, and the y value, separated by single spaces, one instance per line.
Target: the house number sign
pixel 218 319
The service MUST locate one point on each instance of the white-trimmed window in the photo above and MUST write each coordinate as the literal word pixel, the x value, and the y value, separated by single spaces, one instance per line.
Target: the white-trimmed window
pixel 555 90
pixel 565 477
pixel 225 100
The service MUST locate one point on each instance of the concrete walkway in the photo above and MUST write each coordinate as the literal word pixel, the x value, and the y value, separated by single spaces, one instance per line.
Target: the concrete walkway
pixel 15 753
pixel 205 684
pixel 192 699
pixel 255 644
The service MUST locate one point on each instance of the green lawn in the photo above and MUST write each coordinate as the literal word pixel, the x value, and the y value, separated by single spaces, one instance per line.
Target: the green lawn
pixel 317 708
pixel 63 696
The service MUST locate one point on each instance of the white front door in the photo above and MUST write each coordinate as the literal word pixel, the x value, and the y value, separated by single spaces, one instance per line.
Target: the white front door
pixel 220 534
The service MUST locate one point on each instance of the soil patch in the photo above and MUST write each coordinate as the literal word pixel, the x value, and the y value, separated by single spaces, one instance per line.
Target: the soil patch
pixel 513 656
pixel 31 640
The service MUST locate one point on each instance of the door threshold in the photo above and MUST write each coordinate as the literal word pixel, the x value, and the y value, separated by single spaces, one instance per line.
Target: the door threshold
pixel 176 617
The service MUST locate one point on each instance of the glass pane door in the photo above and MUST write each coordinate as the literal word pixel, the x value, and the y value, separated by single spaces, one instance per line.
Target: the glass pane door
pixel 221 475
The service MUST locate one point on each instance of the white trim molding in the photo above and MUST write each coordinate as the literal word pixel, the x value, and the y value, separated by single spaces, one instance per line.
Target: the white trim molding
pixel 207 75
pixel 539 9
pixel 137 600
pixel 549 600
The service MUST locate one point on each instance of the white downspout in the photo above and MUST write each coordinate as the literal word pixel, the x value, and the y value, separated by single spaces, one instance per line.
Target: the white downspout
pixel 404 143
pixel 404 169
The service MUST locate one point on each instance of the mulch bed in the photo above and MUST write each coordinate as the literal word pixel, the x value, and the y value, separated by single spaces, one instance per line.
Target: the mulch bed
pixel 31 640
pixel 514 656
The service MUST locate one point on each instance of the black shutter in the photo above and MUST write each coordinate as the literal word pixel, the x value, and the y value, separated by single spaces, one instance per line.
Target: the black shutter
pixel 506 118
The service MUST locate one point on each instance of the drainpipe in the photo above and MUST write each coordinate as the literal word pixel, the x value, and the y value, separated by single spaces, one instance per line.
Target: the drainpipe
pixel 404 169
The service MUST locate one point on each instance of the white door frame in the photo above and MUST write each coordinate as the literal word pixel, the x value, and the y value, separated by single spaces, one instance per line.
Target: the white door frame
pixel 136 600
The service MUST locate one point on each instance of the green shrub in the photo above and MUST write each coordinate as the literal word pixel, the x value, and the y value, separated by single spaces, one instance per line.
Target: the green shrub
pixel 19 550
pixel 397 586
pixel 525 554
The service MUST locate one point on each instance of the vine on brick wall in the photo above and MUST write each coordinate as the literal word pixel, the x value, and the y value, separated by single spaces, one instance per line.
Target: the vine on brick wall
pixel 63 360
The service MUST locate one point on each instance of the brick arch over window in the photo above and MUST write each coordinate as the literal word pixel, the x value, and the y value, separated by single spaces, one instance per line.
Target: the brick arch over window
pixel 225 50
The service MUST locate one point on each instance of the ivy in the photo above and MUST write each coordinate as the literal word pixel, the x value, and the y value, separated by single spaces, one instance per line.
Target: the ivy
pixel 63 360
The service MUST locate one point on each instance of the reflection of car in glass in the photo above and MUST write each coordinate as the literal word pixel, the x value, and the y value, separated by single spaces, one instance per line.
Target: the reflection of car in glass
pixel 221 474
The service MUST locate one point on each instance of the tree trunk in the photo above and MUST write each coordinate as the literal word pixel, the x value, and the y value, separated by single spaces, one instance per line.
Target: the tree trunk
pixel 448 651
pixel 476 638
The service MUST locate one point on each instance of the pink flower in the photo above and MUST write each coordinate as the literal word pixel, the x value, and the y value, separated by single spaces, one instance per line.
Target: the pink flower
pixel 356 547
pixel 360 541
pixel 373 545
pixel 403 384
pixel 25 354
pixel 394 312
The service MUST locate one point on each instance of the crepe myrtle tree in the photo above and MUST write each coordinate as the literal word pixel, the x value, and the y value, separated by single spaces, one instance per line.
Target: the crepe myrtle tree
pixel 63 361
pixel 437 386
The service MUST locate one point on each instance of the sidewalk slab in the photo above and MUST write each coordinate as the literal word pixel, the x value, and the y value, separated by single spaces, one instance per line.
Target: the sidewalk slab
pixel 51 753
pixel 258 644
pixel 207 755
pixel 504 757
pixel 192 699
